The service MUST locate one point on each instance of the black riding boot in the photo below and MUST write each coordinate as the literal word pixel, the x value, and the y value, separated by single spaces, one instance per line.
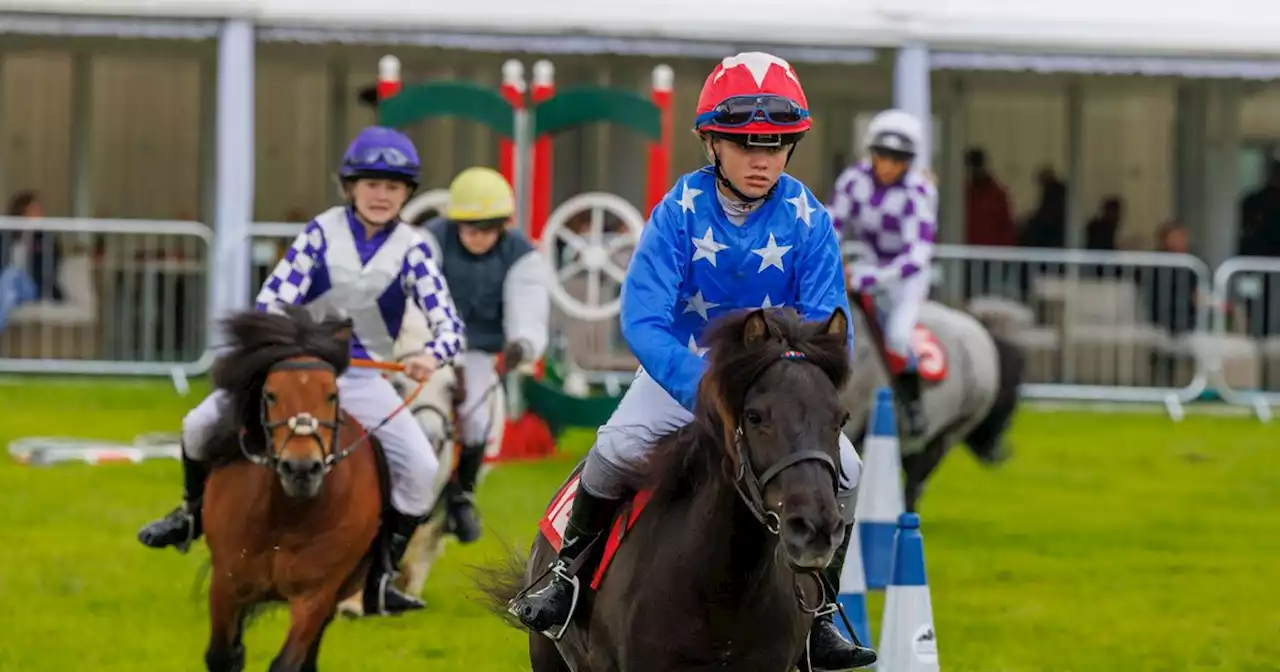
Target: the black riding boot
pixel 550 609
pixel 464 520
pixel 381 597
pixel 182 525
pixel 828 649
pixel 912 404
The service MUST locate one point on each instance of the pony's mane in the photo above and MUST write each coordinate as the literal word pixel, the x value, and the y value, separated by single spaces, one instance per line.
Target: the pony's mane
pixel 686 457
pixel 260 340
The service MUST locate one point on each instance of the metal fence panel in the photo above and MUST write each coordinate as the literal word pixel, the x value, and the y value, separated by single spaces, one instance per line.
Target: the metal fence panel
pixel 1245 366
pixel 1095 325
pixel 120 297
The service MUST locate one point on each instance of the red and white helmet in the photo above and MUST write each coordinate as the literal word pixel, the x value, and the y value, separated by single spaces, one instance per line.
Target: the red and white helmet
pixel 756 97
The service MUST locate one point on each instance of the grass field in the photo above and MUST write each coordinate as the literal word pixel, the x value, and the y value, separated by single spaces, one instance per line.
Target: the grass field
pixel 1110 542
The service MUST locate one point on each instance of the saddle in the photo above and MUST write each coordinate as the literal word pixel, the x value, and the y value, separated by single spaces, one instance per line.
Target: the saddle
pixel 928 351
pixel 553 522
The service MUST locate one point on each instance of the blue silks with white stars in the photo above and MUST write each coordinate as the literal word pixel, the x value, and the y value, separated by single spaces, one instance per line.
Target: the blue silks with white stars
pixel 692 264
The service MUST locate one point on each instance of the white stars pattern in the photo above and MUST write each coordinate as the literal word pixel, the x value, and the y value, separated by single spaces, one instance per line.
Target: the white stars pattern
pixel 687 194
pixel 706 247
pixel 803 209
pixel 768 303
pixel 757 63
pixel 697 304
pixel 695 348
pixel 771 255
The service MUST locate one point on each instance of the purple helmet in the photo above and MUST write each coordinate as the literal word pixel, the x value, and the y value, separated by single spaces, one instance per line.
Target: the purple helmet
pixel 384 152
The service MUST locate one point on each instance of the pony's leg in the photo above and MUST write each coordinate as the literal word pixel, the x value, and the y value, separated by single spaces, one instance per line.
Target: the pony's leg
pixel 430 546
pixel 417 559
pixel 313 654
pixel 353 606
pixel 919 466
pixel 308 617
pixel 226 620
pixel 544 656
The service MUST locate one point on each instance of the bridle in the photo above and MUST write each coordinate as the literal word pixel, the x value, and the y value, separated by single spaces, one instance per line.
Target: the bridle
pixel 750 486
pixel 302 424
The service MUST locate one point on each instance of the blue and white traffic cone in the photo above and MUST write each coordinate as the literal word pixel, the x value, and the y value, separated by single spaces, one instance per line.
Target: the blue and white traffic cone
pixel 908 642
pixel 880 500
pixel 853 592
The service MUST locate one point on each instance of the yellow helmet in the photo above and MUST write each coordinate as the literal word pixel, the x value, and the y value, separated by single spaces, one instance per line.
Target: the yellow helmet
pixel 480 195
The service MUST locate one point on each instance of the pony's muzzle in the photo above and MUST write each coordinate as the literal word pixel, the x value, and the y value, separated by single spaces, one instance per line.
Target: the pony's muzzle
pixel 301 477
pixel 809 539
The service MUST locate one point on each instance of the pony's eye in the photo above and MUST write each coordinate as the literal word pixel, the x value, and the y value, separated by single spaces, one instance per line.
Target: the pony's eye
pixel 332 398
pixel 753 417
pixel 844 420
pixel 270 397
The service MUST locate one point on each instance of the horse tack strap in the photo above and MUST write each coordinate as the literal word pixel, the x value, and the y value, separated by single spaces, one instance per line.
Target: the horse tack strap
pixel 754 496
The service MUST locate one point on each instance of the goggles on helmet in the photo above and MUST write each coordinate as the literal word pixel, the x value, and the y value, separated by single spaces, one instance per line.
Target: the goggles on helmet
pixel 741 111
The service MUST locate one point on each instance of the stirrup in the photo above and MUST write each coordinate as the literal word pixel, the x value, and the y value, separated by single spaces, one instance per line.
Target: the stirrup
pixel 185 545
pixel 561 571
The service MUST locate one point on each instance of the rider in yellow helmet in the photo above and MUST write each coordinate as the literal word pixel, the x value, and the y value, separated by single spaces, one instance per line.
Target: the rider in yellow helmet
pixel 499 282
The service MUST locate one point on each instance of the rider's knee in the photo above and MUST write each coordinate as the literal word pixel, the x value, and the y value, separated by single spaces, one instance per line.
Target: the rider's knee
pixel 850 465
pixel 604 476
pixel 196 426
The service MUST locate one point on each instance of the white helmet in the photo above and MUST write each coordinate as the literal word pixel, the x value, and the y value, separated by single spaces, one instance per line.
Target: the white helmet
pixel 895 132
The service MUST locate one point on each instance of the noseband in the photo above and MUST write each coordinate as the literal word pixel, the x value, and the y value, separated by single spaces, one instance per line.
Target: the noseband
pixel 300 424
pixel 751 487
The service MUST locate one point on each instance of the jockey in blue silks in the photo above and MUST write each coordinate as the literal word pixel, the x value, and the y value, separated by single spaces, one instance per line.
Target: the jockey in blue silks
pixel 360 260
pixel 736 234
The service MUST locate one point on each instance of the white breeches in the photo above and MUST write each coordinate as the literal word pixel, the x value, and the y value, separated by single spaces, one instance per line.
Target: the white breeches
pixel 484 410
pixel 899 309
pixel 645 414
pixel 369 398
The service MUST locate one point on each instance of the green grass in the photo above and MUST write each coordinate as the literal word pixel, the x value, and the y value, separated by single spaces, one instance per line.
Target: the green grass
pixel 1110 542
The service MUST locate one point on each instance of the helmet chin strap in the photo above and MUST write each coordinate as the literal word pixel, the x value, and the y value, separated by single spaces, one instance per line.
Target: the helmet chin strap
pixel 722 179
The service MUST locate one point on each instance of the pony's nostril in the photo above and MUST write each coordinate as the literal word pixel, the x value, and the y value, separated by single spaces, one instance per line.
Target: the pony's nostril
pixel 300 468
pixel 798 528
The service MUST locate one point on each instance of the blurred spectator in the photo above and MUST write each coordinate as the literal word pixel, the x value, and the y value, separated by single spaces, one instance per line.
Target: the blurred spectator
pixel 40 255
pixel 22 255
pixel 1100 232
pixel 1260 237
pixel 1171 291
pixel 988 217
pixel 1047 224
pixel 1171 295
pixel 1260 217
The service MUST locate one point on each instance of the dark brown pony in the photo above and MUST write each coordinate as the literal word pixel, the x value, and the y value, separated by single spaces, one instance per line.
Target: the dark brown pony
pixel 293 503
pixel 720 570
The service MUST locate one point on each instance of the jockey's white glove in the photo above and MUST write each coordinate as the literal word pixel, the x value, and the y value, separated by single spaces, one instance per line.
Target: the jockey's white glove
pixel 420 367
pixel 866 278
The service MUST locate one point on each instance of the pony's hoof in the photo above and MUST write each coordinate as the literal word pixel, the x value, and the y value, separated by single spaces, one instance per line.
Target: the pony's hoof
pixel 351 609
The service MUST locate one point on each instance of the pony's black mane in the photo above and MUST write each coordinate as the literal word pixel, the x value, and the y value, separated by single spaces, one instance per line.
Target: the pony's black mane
pixel 685 458
pixel 260 340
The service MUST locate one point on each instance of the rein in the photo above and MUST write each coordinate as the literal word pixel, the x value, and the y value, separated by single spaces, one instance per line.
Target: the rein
pixel 305 424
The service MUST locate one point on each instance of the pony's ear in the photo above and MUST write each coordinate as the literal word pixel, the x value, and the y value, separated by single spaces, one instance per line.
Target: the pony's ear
pixel 755 330
pixel 837 324
pixel 343 331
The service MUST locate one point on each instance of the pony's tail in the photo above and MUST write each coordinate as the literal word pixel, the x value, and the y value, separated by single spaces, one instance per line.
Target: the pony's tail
pixel 1012 363
pixel 501 582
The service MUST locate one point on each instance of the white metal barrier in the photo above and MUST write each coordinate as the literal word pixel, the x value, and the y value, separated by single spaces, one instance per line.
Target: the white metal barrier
pixel 116 297
pixel 1101 326
pixel 132 299
pixel 1246 365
